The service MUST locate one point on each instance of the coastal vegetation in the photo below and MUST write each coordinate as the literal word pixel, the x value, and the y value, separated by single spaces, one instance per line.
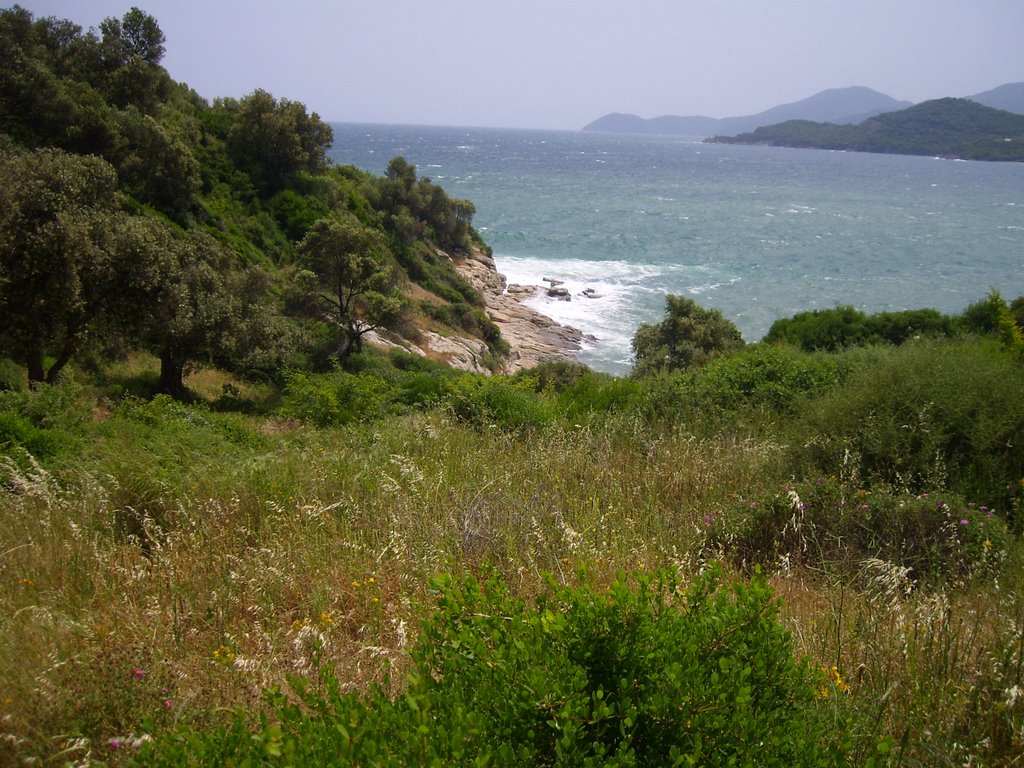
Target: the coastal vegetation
pixel 957 128
pixel 233 534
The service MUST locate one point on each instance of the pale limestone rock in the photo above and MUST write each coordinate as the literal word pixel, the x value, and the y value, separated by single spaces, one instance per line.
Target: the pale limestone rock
pixel 532 337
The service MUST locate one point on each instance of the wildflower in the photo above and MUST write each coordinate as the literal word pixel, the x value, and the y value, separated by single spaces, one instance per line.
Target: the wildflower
pixel 138 673
pixel 326 619
pixel 168 703
pixel 298 624
pixel 374 599
pixel 832 681
pixel 115 742
pixel 26 582
pixel 965 522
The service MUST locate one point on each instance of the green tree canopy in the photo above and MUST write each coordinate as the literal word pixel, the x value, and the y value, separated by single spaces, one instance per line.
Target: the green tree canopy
pixel 273 141
pixel 349 279
pixel 689 336
pixel 200 307
pixel 56 219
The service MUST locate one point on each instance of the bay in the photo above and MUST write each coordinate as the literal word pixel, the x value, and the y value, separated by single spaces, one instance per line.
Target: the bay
pixel 758 233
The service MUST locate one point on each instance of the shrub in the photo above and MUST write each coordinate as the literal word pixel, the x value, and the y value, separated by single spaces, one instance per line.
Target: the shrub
pixel 929 539
pixel 641 674
pixel 497 401
pixel 822 329
pixel 12 376
pixel 771 378
pixel 844 327
pixel 924 417
pixel 337 398
pixel 42 422
pixel 689 336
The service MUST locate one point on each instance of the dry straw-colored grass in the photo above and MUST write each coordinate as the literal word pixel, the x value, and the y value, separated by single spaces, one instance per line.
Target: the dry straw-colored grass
pixel 317 546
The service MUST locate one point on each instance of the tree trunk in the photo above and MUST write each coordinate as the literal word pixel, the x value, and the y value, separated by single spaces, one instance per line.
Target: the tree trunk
pixel 172 375
pixel 36 370
pixel 54 370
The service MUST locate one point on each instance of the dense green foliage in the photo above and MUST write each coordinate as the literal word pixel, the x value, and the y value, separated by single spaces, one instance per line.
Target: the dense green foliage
pixel 942 127
pixel 250 577
pixel 689 336
pixel 134 215
pixel 640 675
pixel 891 471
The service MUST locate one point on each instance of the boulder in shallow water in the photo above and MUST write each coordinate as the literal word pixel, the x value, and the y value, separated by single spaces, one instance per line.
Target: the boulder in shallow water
pixel 562 294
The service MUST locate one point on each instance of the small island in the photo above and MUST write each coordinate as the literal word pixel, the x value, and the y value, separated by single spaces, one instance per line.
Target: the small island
pixel 953 128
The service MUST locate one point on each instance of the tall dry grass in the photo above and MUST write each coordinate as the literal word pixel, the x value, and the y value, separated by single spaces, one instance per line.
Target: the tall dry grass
pixel 186 561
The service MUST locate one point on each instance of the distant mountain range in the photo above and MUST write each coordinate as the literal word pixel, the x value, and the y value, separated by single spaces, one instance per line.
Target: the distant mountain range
pixel 958 128
pixel 840 106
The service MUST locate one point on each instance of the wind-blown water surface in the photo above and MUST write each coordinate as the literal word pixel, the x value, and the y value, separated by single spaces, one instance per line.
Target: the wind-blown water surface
pixel 756 232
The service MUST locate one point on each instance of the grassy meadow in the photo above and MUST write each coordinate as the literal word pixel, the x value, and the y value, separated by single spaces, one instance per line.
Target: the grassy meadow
pixel 164 565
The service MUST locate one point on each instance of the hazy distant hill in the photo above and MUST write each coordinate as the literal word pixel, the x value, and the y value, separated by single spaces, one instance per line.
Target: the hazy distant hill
pixel 943 127
pixel 1009 97
pixel 838 105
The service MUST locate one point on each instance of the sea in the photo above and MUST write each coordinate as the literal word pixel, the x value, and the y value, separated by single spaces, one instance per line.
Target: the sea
pixel 759 233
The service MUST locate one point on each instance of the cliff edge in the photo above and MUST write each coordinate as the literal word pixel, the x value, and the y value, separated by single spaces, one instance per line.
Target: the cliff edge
pixel 532 337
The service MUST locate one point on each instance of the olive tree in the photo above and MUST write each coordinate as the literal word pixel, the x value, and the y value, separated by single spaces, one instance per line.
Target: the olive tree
pixel 349 279
pixel 56 254
pixel 689 336
pixel 273 141
pixel 205 308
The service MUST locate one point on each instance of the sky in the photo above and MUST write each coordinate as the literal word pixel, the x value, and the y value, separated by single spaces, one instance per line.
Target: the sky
pixel 559 64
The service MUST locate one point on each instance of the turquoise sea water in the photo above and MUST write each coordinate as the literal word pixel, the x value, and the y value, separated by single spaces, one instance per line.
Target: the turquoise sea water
pixel 756 232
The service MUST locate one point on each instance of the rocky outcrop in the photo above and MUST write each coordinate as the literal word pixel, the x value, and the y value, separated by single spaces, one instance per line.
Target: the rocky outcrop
pixel 533 337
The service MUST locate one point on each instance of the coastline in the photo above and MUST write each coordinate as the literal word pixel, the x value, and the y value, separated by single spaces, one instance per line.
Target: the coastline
pixel 532 337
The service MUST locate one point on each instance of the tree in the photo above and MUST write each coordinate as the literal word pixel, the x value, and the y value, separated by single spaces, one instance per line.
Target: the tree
pixel 203 309
pixel 273 141
pixel 131 50
pixel 56 219
pixel 137 34
pixel 350 282
pixel 155 166
pixel 689 336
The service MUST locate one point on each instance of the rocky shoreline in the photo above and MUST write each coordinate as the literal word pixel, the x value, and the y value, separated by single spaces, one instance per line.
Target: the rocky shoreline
pixel 533 337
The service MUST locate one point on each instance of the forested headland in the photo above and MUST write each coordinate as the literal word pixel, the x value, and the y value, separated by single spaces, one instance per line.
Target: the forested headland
pixel 233 533
pixel 952 128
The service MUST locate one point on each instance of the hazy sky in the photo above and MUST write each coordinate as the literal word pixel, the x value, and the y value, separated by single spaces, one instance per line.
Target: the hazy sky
pixel 563 63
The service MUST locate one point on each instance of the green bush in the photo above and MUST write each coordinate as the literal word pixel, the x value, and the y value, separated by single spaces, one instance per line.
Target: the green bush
pixel 497 401
pixel 336 398
pixel 926 416
pixel 930 539
pixel 771 378
pixel 822 329
pixel 12 376
pixel 643 674
pixel 844 327
pixel 43 422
